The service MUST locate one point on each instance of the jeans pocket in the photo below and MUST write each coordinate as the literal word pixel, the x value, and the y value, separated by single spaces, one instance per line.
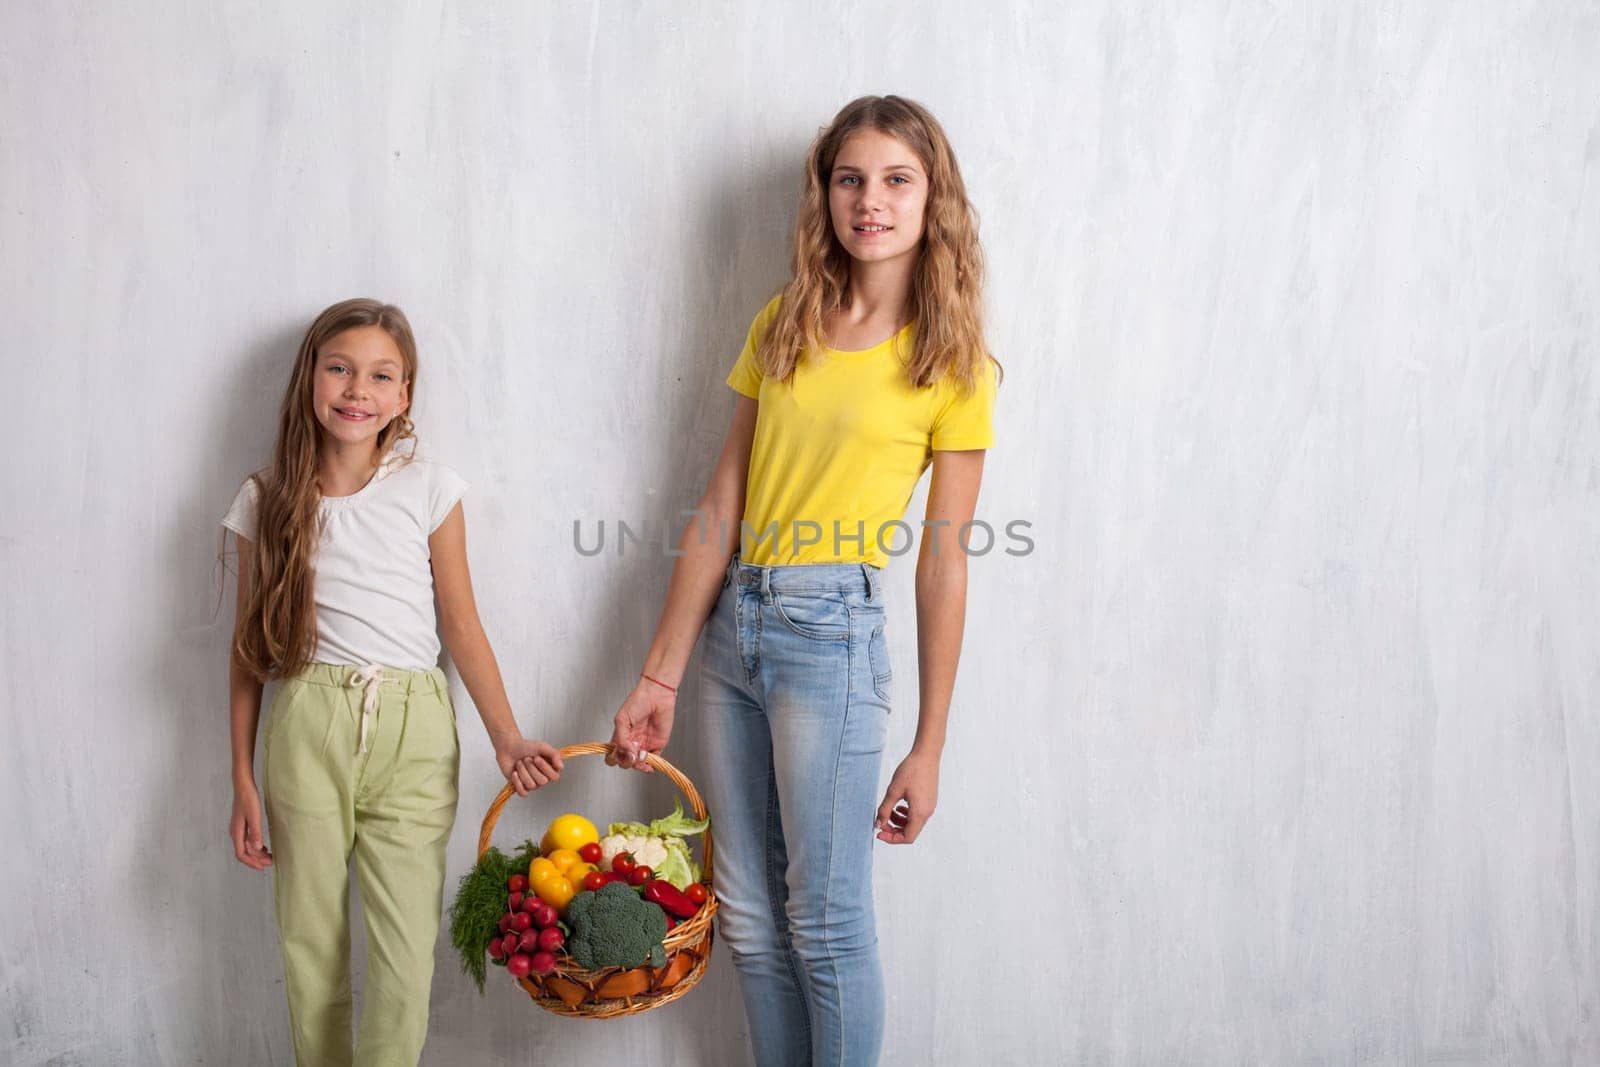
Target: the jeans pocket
pixel 820 617
pixel 878 657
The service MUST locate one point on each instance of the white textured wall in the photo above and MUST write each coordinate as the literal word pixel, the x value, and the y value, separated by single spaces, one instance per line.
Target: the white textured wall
pixel 1282 747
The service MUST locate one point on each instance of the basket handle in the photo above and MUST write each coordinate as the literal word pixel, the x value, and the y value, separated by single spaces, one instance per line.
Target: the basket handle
pixel 600 748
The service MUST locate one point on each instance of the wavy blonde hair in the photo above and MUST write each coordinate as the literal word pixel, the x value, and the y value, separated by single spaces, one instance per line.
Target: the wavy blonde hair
pixel 277 628
pixel 947 285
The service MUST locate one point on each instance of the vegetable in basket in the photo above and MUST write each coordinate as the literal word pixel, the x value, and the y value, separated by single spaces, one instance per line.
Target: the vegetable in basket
pixel 660 845
pixel 614 927
pixel 671 898
pixel 474 917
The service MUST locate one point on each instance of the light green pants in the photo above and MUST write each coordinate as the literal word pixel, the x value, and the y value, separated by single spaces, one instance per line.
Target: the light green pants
pixel 362 764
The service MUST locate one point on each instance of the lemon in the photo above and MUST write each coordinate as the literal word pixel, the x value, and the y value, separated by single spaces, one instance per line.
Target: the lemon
pixel 568 831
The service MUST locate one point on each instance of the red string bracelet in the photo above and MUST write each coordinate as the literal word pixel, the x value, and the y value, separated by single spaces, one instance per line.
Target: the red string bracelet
pixel 664 685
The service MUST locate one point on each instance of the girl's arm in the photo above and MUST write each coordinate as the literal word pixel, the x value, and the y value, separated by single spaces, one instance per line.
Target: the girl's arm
pixel 526 764
pixel 244 711
pixel 941 614
pixel 644 722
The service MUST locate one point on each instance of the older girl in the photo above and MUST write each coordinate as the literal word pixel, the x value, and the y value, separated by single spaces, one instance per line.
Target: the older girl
pixel 866 369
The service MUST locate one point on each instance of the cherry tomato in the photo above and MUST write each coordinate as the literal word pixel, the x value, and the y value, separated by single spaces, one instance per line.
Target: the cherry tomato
pixel 594 880
pixel 696 892
pixel 623 863
pixel 640 875
pixel 590 853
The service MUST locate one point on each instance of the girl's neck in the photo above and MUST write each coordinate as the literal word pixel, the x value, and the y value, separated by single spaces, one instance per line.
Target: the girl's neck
pixel 878 292
pixel 345 470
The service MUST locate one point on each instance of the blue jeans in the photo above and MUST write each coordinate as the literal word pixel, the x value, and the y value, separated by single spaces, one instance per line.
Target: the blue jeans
pixel 795 698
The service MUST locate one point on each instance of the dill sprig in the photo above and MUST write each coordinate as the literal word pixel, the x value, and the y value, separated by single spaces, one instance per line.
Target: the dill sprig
pixel 481 898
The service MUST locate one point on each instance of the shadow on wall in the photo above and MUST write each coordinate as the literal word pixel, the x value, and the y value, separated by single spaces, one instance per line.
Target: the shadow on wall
pixel 746 221
pixel 224 908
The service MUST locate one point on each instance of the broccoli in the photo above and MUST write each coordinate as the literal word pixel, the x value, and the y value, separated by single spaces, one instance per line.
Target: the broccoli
pixel 614 927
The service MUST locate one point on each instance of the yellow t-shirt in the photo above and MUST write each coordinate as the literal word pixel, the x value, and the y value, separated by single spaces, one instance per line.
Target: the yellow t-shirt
pixel 839 449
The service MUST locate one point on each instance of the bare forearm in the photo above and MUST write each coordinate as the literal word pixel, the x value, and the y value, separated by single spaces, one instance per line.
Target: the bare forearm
pixel 480 671
pixel 244 712
pixel 692 591
pixel 941 620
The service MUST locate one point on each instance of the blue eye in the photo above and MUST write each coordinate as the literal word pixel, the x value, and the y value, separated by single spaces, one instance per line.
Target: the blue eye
pixel 334 368
pixel 848 179
pixel 901 178
pixel 382 377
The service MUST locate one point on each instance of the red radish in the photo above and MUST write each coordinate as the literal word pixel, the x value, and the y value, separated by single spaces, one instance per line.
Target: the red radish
pixel 505 922
pixel 545 916
pixel 552 939
pixel 531 903
pixel 528 942
pixel 516 901
pixel 519 965
pixel 543 962
pixel 508 944
pixel 517 883
pixel 497 950
pixel 521 921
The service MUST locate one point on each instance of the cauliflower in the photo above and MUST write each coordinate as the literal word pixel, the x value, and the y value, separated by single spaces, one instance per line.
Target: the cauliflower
pixel 645 849
pixel 660 845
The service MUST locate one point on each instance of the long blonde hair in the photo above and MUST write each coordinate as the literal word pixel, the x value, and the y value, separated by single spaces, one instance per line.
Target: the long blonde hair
pixel 277 628
pixel 947 284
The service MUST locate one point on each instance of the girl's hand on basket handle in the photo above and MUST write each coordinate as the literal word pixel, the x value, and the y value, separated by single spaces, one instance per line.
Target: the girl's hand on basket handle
pixel 909 802
pixel 528 764
pixel 245 827
pixel 643 724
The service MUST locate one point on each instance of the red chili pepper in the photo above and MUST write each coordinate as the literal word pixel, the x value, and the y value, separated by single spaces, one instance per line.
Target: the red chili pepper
pixel 670 897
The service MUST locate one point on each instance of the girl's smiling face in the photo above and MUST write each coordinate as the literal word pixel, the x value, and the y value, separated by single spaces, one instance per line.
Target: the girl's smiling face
pixel 359 384
pixel 876 196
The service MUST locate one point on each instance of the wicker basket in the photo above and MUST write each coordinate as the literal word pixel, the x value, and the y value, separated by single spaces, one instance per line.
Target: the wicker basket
pixel 569 989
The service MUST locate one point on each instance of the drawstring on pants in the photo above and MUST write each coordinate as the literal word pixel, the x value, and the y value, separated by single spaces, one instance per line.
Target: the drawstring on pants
pixel 368 679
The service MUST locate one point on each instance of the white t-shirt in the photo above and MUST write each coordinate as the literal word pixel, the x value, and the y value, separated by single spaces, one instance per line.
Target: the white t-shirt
pixel 373 583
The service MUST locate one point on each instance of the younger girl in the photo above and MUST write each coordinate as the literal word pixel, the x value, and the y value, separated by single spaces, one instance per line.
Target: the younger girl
pixel 866 369
pixel 344 543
